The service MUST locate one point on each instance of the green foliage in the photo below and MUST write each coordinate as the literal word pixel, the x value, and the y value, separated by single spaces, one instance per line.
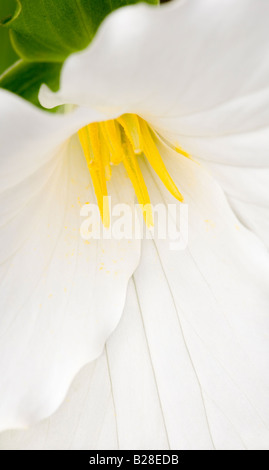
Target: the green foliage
pixel 25 78
pixel 49 30
pixel 44 33
pixel 7 54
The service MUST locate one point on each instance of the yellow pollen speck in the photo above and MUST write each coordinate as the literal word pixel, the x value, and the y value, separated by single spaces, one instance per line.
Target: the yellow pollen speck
pixel 120 141
pixel 210 223
pixel 178 149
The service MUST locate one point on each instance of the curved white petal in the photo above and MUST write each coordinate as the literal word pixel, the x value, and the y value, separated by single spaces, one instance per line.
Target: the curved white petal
pixel 187 367
pixel 29 136
pixel 247 193
pixel 218 291
pixel 112 403
pixel 179 59
pixel 61 296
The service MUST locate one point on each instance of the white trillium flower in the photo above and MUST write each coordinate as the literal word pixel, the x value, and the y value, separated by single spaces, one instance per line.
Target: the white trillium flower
pixel 187 367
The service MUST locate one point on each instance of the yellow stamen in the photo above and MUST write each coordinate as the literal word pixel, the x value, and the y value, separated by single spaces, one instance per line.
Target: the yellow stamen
pixel 90 136
pixel 85 141
pixel 181 151
pixel 112 142
pixel 156 161
pixel 105 155
pixel 130 124
pixel 138 182
pixel 112 135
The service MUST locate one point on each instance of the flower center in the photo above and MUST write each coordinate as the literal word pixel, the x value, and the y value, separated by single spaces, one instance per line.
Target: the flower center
pixel 118 141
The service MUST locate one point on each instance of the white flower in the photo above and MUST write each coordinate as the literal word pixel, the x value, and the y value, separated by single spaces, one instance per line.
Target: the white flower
pixel 187 367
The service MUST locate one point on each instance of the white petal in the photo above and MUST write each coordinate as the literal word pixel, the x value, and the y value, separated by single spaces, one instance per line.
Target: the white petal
pixel 124 405
pixel 218 291
pixel 247 192
pixel 112 403
pixel 193 342
pixel 29 137
pixel 54 432
pixel 179 59
pixel 61 297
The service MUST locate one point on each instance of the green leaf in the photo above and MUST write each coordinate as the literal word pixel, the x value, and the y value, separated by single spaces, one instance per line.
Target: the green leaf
pixel 25 78
pixel 44 33
pixel 7 56
pixel 50 30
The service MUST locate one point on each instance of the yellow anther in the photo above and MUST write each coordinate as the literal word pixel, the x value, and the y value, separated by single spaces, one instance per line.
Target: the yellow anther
pixel 85 141
pixel 156 161
pixel 138 182
pixel 105 155
pixel 90 135
pixel 181 151
pixel 130 124
pixel 112 135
